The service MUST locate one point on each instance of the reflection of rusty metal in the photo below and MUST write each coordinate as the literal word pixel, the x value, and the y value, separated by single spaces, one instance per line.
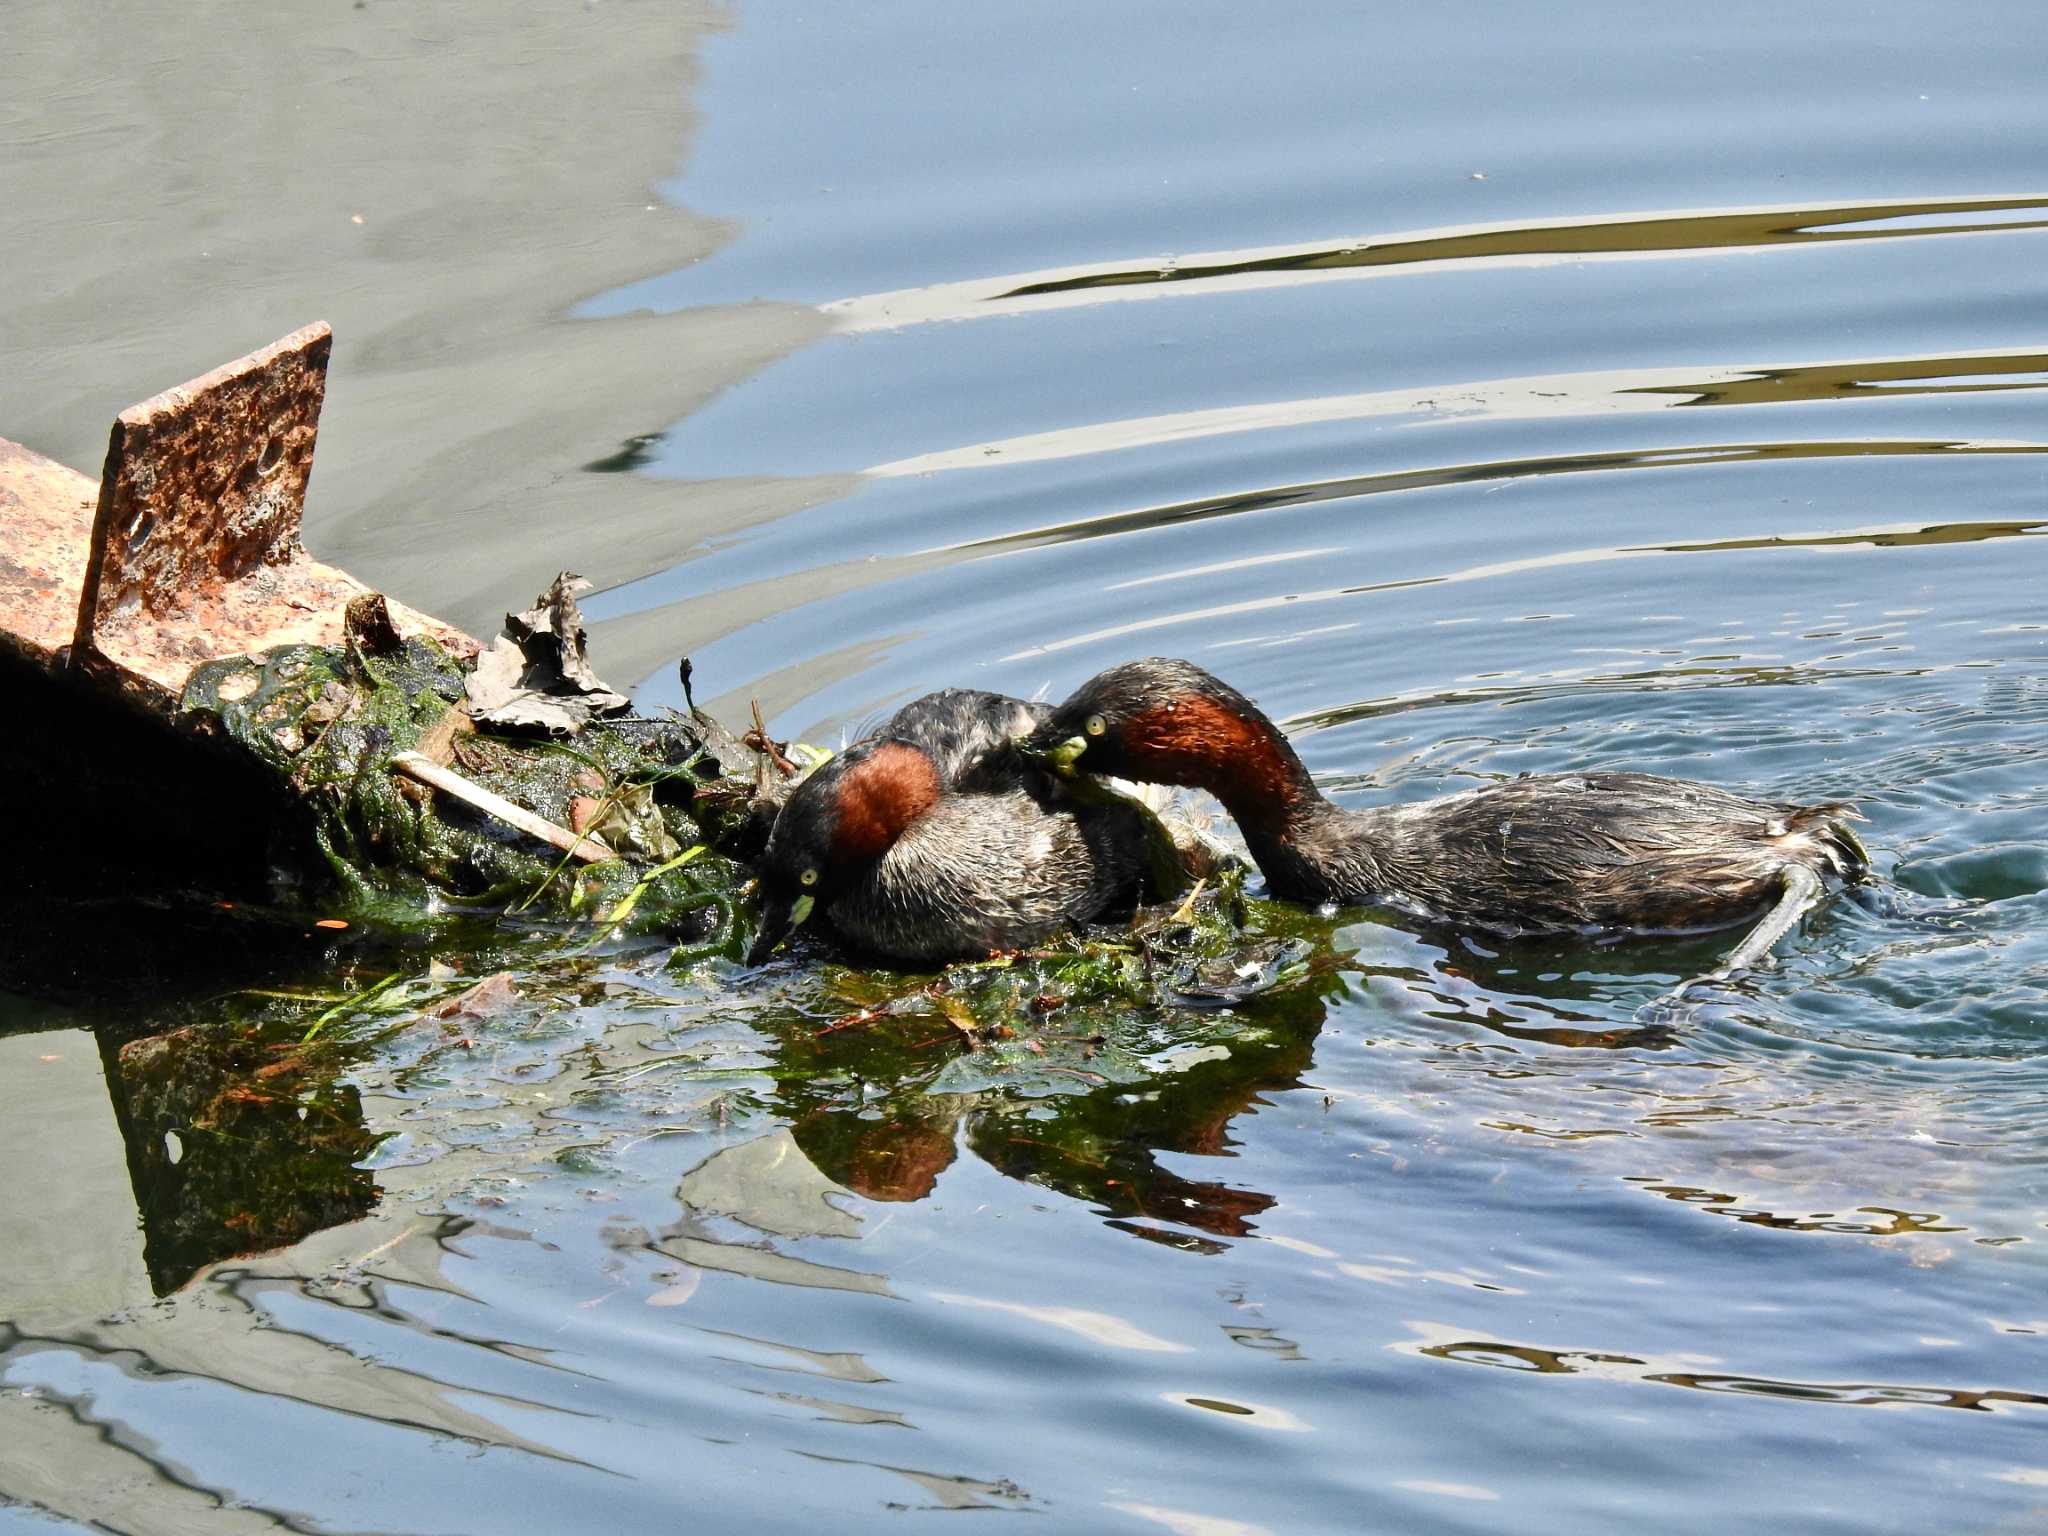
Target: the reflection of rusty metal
pixel 193 550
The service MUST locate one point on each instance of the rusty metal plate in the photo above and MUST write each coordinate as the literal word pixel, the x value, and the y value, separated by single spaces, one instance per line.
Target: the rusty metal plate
pixel 195 550
pixel 205 484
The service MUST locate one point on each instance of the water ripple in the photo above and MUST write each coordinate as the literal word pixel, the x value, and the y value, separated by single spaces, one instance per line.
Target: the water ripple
pixel 1897 536
pixel 1539 242
pixel 1619 1367
pixel 1602 393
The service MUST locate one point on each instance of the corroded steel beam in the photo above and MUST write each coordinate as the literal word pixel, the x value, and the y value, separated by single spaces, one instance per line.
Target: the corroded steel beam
pixel 190 551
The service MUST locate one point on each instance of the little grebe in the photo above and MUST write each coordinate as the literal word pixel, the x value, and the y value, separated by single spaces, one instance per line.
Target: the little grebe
pixel 936 840
pixel 1547 853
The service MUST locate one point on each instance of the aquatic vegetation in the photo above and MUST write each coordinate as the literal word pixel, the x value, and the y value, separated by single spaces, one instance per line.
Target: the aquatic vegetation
pixel 330 722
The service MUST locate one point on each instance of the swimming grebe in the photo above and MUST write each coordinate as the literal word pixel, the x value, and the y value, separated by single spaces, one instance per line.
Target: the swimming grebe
pixel 1548 853
pixel 935 840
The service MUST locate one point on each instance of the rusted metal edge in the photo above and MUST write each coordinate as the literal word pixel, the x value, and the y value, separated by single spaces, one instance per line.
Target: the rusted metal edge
pixel 203 485
pixel 191 551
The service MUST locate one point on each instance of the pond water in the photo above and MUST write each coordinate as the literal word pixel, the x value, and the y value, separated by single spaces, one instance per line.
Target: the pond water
pixel 1482 392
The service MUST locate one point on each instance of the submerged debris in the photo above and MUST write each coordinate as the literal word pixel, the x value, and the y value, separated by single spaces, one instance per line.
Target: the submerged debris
pixel 487 999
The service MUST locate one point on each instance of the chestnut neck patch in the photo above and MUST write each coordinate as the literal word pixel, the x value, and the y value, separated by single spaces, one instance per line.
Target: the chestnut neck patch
pixel 1204 743
pixel 878 797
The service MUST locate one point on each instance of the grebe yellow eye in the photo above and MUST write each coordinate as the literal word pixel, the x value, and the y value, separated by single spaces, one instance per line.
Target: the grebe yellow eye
pixel 1095 725
pixel 808 877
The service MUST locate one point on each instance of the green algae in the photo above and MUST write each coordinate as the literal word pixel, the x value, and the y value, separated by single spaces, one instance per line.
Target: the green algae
pixel 330 721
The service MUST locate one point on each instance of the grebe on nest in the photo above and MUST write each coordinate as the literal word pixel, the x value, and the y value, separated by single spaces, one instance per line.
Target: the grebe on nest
pixel 1542 854
pixel 935 840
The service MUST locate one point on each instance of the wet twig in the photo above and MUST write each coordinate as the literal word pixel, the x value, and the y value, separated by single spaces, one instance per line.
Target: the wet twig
pixel 590 849
pixel 759 739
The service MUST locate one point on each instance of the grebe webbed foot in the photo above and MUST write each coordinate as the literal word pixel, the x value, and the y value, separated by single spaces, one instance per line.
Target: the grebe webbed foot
pixel 1801 893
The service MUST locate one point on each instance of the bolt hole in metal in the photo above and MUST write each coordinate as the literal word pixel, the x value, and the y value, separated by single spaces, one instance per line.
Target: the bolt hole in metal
pixel 271 456
pixel 139 529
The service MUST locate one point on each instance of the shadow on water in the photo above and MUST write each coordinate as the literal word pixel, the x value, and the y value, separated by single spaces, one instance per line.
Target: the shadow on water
pixel 238 1140
pixel 240 1133
pixel 799 1125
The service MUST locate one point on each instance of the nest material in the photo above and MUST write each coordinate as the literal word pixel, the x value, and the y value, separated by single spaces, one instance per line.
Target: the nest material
pixel 329 722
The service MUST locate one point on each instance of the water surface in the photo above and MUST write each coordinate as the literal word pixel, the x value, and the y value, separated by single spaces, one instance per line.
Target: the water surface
pixel 1483 394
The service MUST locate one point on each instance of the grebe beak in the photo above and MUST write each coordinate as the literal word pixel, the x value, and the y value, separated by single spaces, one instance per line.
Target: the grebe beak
pixel 780 917
pixel 1060 756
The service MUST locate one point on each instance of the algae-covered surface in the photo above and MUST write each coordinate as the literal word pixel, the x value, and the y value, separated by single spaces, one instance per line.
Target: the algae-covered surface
pixel 330 723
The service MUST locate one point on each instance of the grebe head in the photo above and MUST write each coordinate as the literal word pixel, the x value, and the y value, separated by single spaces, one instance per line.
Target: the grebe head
pixel 835 825
pixel 1164 721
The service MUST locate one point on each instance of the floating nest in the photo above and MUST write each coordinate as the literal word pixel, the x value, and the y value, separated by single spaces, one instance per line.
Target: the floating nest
pixel 654 812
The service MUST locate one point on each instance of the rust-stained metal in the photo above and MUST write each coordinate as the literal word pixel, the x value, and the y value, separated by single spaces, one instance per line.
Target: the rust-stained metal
pixel 203 487
pixel 195 544
pixel 190 551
